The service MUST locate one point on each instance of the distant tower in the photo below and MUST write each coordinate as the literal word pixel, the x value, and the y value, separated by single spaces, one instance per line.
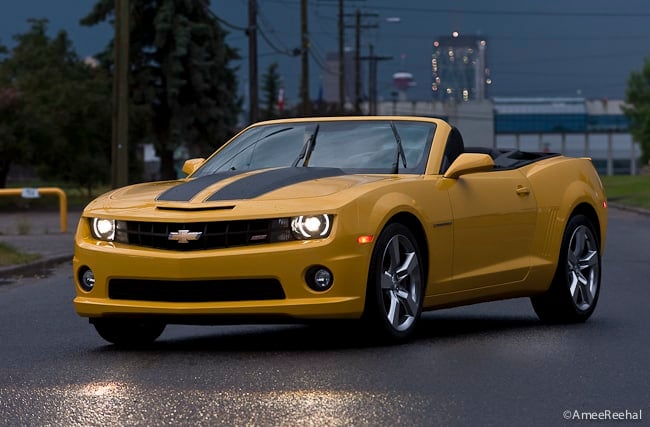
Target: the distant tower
pixel 402 80
pixel 459 68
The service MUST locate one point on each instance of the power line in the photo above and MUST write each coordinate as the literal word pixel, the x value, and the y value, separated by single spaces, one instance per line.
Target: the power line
pixel 501 12
pixel 226 23
pixel 284 50
pixel 276 49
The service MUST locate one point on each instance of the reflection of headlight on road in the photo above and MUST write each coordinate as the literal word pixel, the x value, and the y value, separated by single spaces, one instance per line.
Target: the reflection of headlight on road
pixel 103 229
pixel 311 226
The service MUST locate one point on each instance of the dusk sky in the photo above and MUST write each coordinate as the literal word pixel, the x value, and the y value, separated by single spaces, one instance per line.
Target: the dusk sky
pixel 535 48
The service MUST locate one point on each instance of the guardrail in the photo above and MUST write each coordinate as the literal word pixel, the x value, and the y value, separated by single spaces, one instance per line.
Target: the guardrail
pixel 34 193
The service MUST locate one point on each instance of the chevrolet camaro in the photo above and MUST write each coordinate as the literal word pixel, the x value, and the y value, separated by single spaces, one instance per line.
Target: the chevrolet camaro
pixel 368 218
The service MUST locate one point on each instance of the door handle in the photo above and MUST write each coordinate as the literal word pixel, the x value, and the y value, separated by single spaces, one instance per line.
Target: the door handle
pixel 522 191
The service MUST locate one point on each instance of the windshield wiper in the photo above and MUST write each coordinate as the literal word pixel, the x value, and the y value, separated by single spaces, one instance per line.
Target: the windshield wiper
pixel 246 147
pixel 307 149
pixel 400 150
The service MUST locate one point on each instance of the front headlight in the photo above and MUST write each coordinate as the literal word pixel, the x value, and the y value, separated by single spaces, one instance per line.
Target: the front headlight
pixel 311 226
pixel 103 229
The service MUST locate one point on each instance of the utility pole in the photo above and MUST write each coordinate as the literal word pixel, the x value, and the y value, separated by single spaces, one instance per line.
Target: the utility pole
pixel 120 137
pixel 357 56
pixel 341 59
pixel 372 78
pixel 357 63
pixel 341 65
pixel 252 60
pixel 304 77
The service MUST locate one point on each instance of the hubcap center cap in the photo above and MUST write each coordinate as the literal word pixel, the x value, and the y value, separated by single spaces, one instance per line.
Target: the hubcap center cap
pixel 395 280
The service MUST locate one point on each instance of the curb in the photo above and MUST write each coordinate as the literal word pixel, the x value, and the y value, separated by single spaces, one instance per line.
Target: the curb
pixel 640 211
pixel 33 268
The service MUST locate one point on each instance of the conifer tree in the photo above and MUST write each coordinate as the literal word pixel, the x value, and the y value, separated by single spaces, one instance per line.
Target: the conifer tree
pixel 181 78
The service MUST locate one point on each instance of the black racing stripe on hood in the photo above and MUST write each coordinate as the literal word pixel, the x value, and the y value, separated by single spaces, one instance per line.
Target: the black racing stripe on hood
pixel 186 191
pixel 264 182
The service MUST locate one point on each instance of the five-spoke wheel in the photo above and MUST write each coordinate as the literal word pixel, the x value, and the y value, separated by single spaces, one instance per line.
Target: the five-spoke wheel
pixel 395 283
pixel 583 264
pixel 573 294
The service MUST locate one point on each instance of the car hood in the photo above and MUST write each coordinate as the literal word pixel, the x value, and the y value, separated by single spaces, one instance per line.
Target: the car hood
pixel 276 189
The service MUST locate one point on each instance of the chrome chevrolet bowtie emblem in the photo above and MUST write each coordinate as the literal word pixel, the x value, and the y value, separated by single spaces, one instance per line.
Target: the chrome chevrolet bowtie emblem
pixel 184 236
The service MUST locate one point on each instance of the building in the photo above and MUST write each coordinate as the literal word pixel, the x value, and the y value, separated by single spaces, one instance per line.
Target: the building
pixel 575 127
pixel 459 68
pixel 331 77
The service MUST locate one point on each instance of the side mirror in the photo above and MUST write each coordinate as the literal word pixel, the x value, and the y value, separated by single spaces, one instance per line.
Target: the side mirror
pixel 191 165
pixel 469 163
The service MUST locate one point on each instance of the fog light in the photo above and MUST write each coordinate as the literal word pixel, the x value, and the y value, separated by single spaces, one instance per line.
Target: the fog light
pixel 319 278
pixel 86 279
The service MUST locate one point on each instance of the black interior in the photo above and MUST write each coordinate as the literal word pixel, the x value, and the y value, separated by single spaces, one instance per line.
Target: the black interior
pixel 503 158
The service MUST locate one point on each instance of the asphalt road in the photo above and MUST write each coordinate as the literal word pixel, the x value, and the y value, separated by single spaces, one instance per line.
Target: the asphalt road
pixel 489 364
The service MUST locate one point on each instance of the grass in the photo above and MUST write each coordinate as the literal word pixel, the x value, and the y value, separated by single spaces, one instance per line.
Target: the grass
pixel 628 190
pixel 11 256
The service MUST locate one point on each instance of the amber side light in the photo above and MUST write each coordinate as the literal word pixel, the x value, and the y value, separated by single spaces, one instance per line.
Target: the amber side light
pixel 362 240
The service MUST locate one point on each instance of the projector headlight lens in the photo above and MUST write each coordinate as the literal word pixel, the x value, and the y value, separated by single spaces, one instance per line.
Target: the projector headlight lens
pixel 311 226
pixel 103 229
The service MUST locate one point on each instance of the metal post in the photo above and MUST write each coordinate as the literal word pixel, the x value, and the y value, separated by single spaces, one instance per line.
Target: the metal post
pixel 252 61
pixel 372 81
pixel 610 160
pixel 632 158
pixel 357 63
pixel 372 78
pixel 43 191
pixel 304 79
pixel 120 143
pixel 341 59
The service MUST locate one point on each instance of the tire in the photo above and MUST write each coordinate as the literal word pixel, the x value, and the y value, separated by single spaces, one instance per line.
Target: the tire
pixel 574 291
pixel 128 332
pixel 395 285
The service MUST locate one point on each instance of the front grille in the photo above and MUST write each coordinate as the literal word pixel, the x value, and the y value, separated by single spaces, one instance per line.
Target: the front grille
pixel 203 235
pixel 196 290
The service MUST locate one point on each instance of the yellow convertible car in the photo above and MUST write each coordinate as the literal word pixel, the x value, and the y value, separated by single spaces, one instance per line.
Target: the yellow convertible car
pixel 369 218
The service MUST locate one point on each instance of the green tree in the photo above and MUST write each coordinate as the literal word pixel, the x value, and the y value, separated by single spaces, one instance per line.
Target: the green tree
pixel 270 87
pixel 637 97
pixel 180 74
pixel 55 108
pixel 82 148
pixel 11 131
pixel 13 120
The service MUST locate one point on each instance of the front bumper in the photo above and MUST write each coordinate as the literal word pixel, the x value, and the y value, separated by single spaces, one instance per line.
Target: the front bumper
pixel 286 262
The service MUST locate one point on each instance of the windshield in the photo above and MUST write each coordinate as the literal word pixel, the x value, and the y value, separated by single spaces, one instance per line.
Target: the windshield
pixel 354 146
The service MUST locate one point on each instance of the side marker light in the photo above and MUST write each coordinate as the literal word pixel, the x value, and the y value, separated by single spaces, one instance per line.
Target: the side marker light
pixel 362 240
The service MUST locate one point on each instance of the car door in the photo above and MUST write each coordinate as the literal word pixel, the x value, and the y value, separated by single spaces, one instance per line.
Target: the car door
pixel 494 219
